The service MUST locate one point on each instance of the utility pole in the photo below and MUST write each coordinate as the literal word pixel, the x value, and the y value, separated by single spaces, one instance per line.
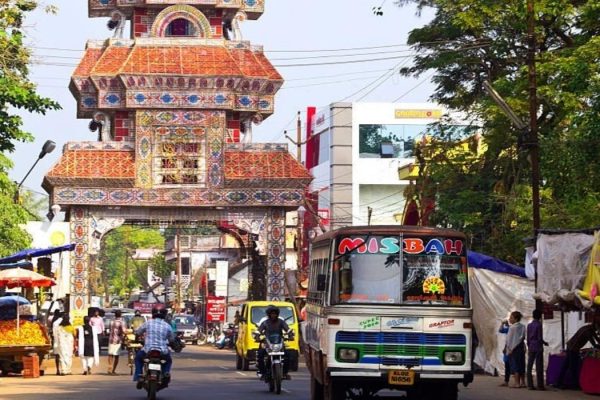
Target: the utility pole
pixel 533 142
pixel 178 269
pixel 298 142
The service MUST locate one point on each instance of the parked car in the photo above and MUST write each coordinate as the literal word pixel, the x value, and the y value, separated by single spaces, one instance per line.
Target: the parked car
pixel 186 325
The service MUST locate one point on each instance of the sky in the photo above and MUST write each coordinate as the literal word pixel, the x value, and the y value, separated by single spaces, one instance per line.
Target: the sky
pixel 291 31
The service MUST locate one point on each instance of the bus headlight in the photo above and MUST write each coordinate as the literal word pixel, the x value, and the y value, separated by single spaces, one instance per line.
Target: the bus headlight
pixel 347 355
pixel 453 357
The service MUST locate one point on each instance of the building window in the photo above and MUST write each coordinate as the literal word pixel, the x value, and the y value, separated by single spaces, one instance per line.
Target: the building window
pixel 180 27
pixel 180 158
pixel 389 141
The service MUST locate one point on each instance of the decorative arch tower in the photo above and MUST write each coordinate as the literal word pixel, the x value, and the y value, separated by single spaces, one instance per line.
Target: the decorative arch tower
pixel 175 103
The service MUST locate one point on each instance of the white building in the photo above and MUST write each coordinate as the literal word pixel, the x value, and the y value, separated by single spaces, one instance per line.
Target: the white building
pixel 355 156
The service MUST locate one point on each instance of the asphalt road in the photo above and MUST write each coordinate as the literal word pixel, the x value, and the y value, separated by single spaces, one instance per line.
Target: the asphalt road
pixel 208 373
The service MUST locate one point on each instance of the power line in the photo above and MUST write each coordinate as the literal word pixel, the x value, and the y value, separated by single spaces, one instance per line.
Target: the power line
pixel 306 50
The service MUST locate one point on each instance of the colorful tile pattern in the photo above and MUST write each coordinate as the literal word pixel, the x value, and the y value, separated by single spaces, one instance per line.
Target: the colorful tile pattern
pixel 176 197
pixel 79 258
pixel 102 8
pixel 275 254
pixel 169 14
pixel 264 169
pixel 94 167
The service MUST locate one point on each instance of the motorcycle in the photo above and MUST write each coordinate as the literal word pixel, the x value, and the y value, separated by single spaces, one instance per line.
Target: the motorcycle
pixel 275 349
pixel 226 338
pixel 153 376
pixel 132 344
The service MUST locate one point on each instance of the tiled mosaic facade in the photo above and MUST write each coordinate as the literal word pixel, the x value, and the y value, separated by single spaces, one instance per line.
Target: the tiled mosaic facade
pixel 176 99
pixel 79 258
pixel 276 254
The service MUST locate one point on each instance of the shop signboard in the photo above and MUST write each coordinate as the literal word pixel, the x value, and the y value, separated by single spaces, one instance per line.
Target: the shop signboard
pixel 215 309
pixel 145 308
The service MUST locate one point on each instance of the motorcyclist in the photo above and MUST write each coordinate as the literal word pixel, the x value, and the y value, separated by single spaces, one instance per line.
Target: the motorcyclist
pixel 158 334
pixel 137 320
pixel 270 326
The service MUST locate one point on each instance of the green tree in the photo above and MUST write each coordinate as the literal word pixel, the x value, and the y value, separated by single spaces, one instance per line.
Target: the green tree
pixel 12 237
pixel 470 41
pixel 17 92
pixel 121 273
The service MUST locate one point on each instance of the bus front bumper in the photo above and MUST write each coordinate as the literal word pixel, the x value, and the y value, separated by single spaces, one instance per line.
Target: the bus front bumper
pixel 464 377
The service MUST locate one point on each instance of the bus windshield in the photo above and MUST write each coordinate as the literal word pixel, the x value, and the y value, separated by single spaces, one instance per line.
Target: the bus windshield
pixel 369 269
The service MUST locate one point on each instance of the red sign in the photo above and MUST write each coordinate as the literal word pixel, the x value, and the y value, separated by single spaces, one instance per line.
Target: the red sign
pixel 145 308
pixel 215 309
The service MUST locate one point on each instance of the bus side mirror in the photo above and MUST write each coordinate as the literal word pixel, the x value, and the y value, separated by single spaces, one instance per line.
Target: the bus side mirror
pixel 321 282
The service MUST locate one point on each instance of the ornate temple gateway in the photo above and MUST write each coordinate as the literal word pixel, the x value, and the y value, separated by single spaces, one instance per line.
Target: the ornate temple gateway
pixel 173 108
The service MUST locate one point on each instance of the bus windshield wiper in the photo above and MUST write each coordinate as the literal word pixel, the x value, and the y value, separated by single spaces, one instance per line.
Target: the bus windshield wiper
pixel 352 250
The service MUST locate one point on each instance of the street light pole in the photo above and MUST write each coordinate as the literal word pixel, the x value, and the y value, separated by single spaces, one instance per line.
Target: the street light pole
pixel 48 147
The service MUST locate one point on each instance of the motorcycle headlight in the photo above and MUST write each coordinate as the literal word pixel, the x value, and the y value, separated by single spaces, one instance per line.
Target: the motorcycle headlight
pixel 347 355
pixel 453 357
pixel 276 347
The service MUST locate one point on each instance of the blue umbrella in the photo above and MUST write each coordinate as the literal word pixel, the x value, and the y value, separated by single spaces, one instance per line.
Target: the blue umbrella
pixel 12 301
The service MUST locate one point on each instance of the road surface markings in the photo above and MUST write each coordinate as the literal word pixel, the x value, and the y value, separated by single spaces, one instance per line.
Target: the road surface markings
pixel 241 373
pixel 287 391
pixel 224 368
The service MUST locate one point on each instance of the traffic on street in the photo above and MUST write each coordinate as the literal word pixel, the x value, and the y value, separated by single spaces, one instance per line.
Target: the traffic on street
pixel 204 372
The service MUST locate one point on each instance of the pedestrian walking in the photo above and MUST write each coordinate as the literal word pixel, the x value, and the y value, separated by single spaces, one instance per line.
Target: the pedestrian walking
pixel 88 348
pixel 97 322
pixel 115 340
pixel 54 323
pixel 515 348
pixel 64 342
pixel 535 351
pixel 504 326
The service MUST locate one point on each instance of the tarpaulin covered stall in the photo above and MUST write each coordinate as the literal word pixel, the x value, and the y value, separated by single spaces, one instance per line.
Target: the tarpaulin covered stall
pixel 33 253
pixel 497 288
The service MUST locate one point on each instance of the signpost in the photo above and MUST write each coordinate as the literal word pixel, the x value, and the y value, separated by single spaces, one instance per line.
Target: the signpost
pixel 216 309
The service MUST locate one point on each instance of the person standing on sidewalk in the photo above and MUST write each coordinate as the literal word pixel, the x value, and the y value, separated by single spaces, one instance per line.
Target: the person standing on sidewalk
pixel 115 340
pixel 515 348
pixel 54 323
pixel 89 351
pixel 504 330
pixel 535 351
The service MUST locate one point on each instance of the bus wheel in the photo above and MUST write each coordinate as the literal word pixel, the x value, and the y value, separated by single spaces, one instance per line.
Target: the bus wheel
pixel 333 391
pixel 316 389
pixel 450 391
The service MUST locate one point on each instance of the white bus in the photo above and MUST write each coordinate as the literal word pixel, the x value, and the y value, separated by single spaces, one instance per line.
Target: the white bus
pixel 388 308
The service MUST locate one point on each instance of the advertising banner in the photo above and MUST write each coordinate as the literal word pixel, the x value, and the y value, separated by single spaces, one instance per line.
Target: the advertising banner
pixel 215 309
pixel 145 308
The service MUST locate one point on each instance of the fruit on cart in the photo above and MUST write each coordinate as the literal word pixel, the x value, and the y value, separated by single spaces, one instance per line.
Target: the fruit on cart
pixel 30 334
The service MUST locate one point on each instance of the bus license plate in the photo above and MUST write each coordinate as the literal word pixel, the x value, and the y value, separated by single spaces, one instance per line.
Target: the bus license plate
pixel 403 377
pixel 154 367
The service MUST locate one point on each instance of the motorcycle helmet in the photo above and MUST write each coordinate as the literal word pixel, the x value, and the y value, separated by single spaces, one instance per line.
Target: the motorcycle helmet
pixel 272 309
pixel 159 312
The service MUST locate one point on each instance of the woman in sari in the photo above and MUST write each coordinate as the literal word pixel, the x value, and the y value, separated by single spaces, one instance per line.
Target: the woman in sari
pixel 64 341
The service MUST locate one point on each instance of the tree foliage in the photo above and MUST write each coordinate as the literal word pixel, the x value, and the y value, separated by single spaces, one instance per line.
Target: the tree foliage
pixel 489 196
pixel 12 237
pixel 121 273
pixel 16 92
